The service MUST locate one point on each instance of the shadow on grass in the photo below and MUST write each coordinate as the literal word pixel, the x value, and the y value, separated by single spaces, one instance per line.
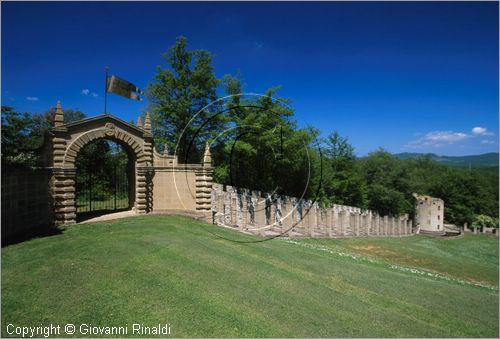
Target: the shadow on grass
pixel 40 232
pixel 50 230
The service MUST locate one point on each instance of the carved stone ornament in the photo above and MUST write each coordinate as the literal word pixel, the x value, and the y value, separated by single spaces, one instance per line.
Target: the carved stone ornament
pixel 110 129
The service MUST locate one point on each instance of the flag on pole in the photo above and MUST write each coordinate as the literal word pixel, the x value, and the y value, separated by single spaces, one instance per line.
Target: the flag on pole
pixel 123 87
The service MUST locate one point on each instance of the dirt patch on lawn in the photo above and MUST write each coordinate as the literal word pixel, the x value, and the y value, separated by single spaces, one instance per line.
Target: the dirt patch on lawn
pixel 407 259
pixel 387 253
pixel 374 250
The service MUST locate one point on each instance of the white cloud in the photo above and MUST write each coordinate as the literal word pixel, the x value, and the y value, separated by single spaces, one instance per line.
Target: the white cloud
pixel 32 98
pixel 487 142
pixel 437 139
pixel 87 91
pixel 447 136
pixel 478 130
pixel 481 131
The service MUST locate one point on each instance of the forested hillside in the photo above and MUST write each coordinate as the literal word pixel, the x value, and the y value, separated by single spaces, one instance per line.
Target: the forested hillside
pixel 472 161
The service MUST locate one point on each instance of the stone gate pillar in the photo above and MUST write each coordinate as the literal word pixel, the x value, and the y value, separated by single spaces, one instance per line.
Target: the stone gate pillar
pixel 143 189
pixel 63 193
pixel 63 178
pixel 204 182
pixel 145 172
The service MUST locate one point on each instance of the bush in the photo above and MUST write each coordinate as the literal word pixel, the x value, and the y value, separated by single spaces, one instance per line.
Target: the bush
pixel 482 220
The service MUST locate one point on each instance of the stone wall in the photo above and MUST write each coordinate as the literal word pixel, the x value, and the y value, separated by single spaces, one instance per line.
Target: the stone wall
pixel 180 186
pixel 26 200
pixel 267 215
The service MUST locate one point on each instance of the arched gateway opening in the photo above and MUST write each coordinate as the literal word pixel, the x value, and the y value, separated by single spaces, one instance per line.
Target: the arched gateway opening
pixel 73 196
pixel 104 179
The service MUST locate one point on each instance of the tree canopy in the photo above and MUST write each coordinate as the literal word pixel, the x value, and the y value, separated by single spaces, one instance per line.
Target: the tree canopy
pixel 23 133
pixel 177 97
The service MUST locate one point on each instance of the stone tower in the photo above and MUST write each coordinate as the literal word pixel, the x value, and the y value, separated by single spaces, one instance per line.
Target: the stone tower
pixel 429 214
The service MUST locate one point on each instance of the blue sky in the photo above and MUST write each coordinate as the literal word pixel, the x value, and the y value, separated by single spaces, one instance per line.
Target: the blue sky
pixel 409 77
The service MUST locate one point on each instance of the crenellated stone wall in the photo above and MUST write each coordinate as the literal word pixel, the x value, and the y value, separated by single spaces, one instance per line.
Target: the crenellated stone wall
pixel 265 214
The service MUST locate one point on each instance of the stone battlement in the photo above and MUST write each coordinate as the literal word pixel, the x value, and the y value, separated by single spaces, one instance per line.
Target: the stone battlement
pixel 268 214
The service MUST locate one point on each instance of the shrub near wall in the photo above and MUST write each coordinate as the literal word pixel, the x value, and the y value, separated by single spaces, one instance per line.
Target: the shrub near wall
pixel 26 200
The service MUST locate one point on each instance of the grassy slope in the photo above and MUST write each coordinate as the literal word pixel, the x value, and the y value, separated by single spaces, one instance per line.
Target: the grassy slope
pixel 472 258
pixel 172 269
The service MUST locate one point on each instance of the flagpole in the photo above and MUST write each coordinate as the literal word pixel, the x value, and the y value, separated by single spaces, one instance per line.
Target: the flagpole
pixel 106 91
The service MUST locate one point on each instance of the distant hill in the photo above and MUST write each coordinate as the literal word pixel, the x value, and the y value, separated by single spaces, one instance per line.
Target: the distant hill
pixel 474 161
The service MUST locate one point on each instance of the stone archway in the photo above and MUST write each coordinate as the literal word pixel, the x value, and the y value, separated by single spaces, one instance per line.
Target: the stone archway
pixel 69 139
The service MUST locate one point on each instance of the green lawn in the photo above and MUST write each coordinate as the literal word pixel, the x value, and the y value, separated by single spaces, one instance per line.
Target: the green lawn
pixel 473 258
pixel 168 269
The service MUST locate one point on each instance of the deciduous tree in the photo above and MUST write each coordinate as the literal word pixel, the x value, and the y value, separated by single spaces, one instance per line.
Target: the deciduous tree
pixel 178 94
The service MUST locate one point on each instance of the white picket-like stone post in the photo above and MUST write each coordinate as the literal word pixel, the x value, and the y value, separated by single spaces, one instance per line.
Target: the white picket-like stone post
pixel 335 222
pixel 244 215
pixel 329 222
pixel 364 222
pixel 357 221
pixel 310 219
pixel 353 223
pixel 260 217
pixel 342 222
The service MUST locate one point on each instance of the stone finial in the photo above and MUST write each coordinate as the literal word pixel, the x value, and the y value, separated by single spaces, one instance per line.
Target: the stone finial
pixel 139 122
pixel 207 156
pixel 59 116
pixel 165 149
pixel 147 123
